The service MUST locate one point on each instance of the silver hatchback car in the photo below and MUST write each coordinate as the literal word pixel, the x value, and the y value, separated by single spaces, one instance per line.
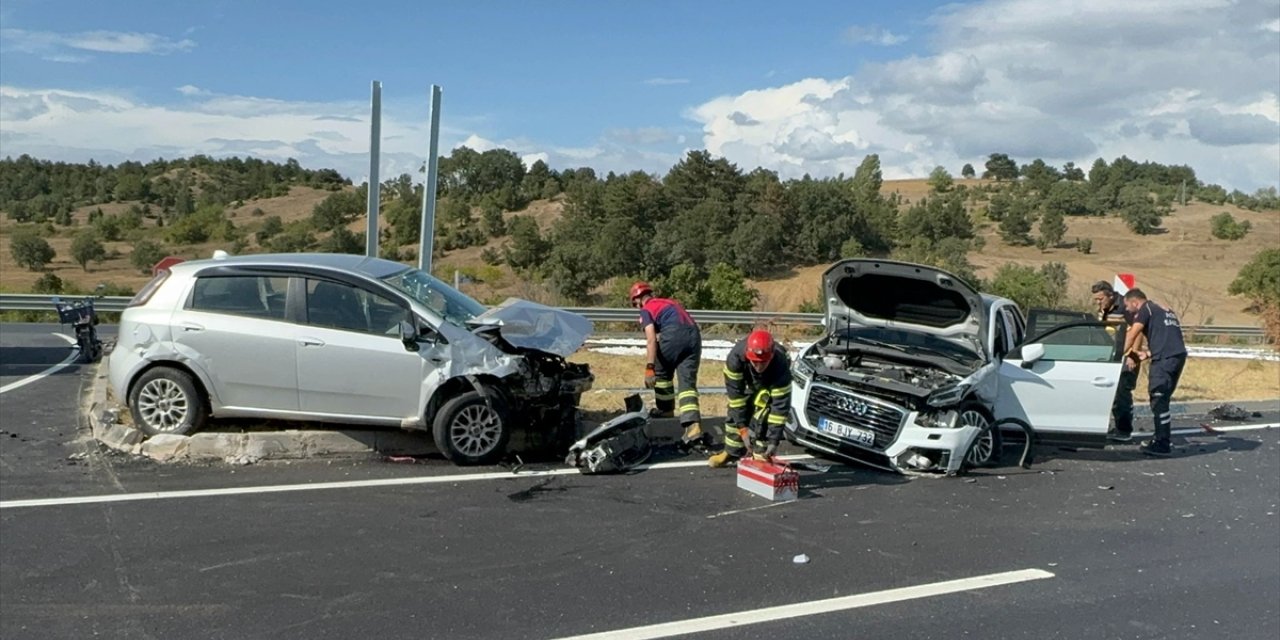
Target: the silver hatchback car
pixel 347 339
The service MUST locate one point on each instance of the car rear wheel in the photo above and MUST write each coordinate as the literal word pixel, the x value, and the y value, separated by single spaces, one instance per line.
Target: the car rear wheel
pixel 471 429
pixel 166 400
pixel 986 447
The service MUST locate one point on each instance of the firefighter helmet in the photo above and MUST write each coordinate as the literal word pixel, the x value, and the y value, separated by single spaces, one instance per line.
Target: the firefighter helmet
pixel 640 289
pixel 760 346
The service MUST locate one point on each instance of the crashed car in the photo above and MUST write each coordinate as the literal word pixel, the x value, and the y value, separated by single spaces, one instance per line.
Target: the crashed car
pixel 346 339
pixel 920 372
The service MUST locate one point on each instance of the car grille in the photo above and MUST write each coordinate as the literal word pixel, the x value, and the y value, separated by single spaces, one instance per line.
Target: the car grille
pixel 857 411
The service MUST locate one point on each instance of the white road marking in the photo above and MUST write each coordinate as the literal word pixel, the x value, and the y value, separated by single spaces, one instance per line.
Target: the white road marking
pixel 47 372
pixel 736 511
pixel 317 486
pixel 816 607
pixel 1225 429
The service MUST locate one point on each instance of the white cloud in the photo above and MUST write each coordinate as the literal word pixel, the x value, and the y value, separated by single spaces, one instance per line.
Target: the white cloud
pixel 191 90
pixel 661 82
pixel 1175 81
pixel 859 34
pixel 53 46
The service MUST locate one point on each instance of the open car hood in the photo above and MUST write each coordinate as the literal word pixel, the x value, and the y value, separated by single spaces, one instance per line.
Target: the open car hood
pixel 900 295
pixel 529 325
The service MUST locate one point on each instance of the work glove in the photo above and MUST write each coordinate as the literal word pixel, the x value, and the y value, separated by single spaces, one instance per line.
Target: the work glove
pixel 767 454
pixel 650 377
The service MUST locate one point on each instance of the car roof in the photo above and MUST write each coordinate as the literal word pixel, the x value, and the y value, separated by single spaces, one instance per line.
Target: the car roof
pixel 991 301
pixel 371 267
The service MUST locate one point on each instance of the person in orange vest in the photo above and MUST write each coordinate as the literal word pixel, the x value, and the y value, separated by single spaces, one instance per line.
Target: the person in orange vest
pixel 673 346
pixel 757 372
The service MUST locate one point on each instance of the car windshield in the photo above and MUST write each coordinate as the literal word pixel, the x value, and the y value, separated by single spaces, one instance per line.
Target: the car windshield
pixel 907 341
pixel 449 303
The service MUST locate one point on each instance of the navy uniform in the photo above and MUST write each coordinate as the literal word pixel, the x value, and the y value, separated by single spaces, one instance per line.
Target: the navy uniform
pixel 679 353
pixel 1168 355
pixel 1118 321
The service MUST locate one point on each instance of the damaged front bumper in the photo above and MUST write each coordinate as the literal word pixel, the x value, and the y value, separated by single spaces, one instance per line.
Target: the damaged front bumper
pixel 873 432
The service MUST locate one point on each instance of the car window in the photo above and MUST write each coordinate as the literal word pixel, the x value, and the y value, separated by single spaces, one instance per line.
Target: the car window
pixel 1000 346
pixel 1081 342
pixel 341 306
pixel 254 296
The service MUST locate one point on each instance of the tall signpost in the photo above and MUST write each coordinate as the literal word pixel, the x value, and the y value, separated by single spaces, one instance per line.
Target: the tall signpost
pixel 375 185
pixel 429 190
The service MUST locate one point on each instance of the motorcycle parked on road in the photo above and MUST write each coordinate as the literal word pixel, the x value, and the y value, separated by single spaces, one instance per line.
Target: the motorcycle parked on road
pixel 82 317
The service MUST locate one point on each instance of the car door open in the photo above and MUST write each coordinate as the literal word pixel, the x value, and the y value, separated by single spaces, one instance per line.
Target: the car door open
pixel 1062 383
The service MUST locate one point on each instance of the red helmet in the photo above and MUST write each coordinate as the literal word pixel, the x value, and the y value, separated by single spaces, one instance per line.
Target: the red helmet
pixel 760 346
pixel 640 289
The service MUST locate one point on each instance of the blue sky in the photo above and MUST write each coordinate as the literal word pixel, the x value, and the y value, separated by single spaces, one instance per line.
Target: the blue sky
pixel 797 87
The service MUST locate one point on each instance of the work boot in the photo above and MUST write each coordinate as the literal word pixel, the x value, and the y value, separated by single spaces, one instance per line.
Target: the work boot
pixel 657 414
pixel 721 460
pixel 693 435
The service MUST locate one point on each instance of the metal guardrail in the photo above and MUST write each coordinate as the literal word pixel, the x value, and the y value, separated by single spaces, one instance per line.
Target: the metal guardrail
pixel 40 302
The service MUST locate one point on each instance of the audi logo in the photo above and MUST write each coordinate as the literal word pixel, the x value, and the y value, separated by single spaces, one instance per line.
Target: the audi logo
pixel 851 405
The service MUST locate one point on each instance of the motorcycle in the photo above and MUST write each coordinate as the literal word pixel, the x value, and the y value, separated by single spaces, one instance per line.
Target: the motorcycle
pixel 82 317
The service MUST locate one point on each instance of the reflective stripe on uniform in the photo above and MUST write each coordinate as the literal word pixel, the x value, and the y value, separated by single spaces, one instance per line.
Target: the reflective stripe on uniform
pixel 777 418
pixel 737 403
pixel 778 392
pixel 732 375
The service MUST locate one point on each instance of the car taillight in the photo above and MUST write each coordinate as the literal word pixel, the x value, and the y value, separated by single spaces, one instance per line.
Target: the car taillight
pixel 153 286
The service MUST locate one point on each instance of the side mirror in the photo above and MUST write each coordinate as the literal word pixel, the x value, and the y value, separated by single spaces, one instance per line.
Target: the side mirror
pixel 409 335
pixel 1032 354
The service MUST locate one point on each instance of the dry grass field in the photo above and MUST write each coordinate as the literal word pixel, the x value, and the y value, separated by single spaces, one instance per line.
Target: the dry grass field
pixel 1184 266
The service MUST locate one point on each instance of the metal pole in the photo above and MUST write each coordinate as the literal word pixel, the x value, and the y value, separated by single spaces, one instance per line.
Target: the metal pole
pixel 375 185
pixel 429 191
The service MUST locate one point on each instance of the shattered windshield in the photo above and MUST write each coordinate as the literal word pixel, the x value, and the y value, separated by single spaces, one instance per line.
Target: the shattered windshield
pixel 449 303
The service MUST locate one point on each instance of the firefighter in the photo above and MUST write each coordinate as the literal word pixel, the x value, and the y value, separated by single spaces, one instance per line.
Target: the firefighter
pixel 757 376
pixel 673 349
pixel 1167 354
pixel 1111 311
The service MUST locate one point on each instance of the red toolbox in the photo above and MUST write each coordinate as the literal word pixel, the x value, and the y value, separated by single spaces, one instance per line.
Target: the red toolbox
pixel 777 482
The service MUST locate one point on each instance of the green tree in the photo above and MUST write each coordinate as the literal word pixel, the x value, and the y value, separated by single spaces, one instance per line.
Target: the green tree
pixel 1259 280
pixel 1028 287
pixel 1040 176
pixel 1072 173
pixel 86 248
pixel 1138 211
pixel 48 283
pixel 935 219
pixel 145 254
pixel 337 210
pixel 940 180
pixel 1015 227
pixel 1001 167
pixel 491 221
pixel 271 226
pixel 967 171
pixel 1067 199
pixel 30 250
pixel 343 240
pixel 728 289
pixel 1052 228
pixel 109 228
pixel 527 249
pixel 1225 227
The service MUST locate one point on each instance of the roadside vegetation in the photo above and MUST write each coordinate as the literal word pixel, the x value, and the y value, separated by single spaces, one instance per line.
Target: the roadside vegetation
pixel 707 232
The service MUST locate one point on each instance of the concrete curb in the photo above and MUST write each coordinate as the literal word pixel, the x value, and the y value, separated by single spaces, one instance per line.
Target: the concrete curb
pixel 103 417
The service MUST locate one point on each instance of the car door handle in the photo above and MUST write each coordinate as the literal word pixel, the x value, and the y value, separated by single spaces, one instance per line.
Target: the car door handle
pixel 191 326
pixel 311 342
pixel 1103 382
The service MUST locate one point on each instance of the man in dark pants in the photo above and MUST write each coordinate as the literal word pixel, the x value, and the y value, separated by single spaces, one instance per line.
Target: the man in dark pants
pixel 1168 355
pixel 757 379
pixel 1111 312
pixel 673 344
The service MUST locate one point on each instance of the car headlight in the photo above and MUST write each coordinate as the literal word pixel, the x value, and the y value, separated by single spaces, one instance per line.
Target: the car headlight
pixel 938 419
pixel 948 396
pixel 802 372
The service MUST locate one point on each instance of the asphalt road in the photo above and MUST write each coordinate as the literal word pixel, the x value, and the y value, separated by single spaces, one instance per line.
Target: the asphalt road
pixel 1137 548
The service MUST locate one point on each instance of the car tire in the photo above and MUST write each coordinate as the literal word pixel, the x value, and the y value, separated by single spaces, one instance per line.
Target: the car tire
pixel 167 400
pixel 987 446
pixel 472 429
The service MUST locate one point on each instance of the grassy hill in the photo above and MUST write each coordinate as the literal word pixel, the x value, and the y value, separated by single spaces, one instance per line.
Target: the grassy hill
pixel 1183 266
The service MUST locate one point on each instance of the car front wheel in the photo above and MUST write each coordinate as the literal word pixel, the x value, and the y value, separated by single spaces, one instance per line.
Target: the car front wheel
pixel 471 429
pixel 166 400
pixel 986 447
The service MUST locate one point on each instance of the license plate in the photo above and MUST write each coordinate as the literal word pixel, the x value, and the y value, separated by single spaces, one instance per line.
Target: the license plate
pixel 857 434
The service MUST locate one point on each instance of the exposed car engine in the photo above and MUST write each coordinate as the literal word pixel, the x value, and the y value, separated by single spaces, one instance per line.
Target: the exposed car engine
pixel 898 381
